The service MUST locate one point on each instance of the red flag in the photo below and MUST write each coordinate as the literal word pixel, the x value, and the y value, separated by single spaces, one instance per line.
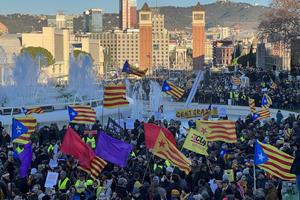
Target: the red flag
pixel 151 133
pixel 74 146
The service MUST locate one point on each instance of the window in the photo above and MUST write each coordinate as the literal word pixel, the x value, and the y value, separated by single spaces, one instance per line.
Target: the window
pixel 198 16
pixel 145 16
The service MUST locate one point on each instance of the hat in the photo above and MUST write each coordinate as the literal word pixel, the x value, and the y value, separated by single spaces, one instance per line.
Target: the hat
pixel 122 182
pixel 33 171
pixel 137 184
pixel 156 180
pixel 175 192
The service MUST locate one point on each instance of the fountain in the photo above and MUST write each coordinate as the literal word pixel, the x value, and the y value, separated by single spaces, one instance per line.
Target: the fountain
pixel 155 96
pixel 138 95
pixel 27 86
pixel 82 80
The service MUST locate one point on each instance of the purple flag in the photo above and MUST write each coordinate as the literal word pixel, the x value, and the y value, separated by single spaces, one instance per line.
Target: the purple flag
pixel 113 150
pixel 25 158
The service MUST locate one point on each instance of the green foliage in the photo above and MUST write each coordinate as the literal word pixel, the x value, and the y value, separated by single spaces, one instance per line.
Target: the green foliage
pixel 76 53
pixel 249 58
pixel 46 58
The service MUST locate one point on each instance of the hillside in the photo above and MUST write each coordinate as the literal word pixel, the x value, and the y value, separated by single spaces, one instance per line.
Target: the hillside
pixel 227 14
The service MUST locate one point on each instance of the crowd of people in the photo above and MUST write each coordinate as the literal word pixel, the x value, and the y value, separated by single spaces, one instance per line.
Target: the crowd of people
pixel 147 177
pixel 284 90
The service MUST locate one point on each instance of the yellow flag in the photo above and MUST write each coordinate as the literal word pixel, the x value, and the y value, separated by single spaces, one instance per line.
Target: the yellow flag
pixel 196 142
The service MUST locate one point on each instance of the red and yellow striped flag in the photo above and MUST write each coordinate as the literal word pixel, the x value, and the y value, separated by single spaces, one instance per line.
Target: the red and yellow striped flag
pixel 262 114
pixel 96 166
pixel 37 110
pixel 274 161
pixel 30 123
pixel 115 96
pixel 252 105
pixel 82 114
pixel 223 130
pixel 165 149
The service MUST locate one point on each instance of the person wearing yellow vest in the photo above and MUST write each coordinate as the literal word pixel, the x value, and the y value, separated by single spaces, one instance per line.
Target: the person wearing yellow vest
pixel 19 149
pixel 90 140
pixel 64 182
pixel 80 185
pixel 50 148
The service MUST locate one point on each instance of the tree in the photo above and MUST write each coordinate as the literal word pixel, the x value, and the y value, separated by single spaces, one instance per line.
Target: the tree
pixel 76 53
pixel 282 22
pixel 249 58
pixel 42 55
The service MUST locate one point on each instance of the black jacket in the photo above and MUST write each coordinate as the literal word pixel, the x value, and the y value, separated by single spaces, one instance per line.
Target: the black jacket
pixel 295 169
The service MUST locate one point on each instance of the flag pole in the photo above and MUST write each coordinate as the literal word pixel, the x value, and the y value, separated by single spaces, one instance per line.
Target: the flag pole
pixel 254 177
pixel 102 115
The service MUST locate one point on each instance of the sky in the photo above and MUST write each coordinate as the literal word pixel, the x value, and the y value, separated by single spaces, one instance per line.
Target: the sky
pixel 78 6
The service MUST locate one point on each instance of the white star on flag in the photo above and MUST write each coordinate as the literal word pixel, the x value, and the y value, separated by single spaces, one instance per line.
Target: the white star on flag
pixel 261 157
pixel 73 113
pixel 18 129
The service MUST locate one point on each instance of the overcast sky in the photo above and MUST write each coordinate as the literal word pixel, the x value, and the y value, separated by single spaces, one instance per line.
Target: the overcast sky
pixel 78 6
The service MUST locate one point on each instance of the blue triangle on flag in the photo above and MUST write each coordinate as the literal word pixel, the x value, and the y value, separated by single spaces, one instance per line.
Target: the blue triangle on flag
pixel 18 129
pixel 72 113
pixel 126 67
pixel 24 110
pixel 166 87
pixel 255 116
pixel 260 156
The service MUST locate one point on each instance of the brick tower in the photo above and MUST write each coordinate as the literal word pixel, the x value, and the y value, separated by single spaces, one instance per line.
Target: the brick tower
pixel 145 37
pixel 198 23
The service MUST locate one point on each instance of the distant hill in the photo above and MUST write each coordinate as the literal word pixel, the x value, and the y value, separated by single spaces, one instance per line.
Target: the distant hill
pixel 245 15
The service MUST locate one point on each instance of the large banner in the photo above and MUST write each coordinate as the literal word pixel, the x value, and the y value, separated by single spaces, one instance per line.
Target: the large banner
pixel 194 113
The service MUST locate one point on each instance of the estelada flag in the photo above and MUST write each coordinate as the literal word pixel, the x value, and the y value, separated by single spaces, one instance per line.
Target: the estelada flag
pixel 222 130
pixel 165 149
pixel 81 114
pixel 30 123
pixel 196 142
pixel 274 161
pixel 151 133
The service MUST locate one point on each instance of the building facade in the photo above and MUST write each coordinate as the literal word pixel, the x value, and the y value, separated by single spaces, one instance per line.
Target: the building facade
pixel 93 21
pixel 295 55
pixel 222 53
pixel 128 14
pixel 63 21
pixel 3 29
pixel 198 28
pixel 122 46
pixel 145 38
pixel 160 41
pixel 219 33
pixel 270 54
pixel 57 42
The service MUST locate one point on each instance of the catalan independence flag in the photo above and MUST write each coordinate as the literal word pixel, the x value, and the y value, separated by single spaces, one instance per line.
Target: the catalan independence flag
pixel 266 101
pixel 252 105
pixel 28 111
pixel 222 130
pixel 165 149
pixel 81 114
pixel 262 114
pixel 22 128
pixel 274 161
pixel 172 90
pixel 236 80
pixel 129 69
pixel 115 96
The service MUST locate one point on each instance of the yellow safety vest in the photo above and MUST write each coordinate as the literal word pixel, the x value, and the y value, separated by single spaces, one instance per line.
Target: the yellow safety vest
pixel 157 166
pixel 88 183
pixel 19 150
pixel 80 186
pixel 62 185
pixel 133 154
pixel 92 141
pixel 99 190
pixel 50 148
pixel 167 163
